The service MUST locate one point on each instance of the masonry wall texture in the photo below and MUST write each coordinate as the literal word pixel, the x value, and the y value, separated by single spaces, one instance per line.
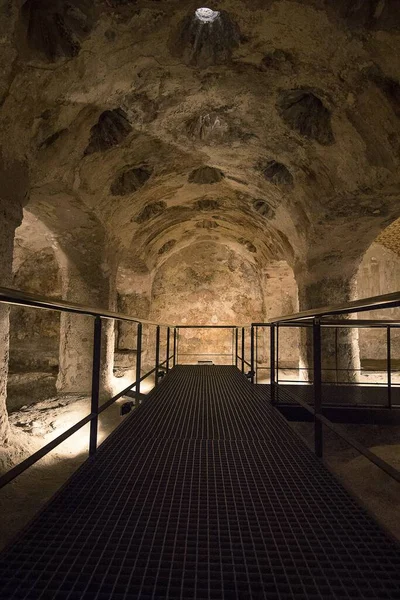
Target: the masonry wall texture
pixel 207 284
pixel 379 273
pixel 34 334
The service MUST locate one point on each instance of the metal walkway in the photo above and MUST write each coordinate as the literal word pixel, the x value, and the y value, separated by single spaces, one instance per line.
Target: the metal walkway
pixel 203 492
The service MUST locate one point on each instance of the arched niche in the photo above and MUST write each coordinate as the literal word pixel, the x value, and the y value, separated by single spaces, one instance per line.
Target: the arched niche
pixel 379 273
pixel 34 334
pixel 207 283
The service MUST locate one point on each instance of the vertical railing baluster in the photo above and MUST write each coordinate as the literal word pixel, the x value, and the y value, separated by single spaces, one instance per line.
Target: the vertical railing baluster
pixel 242 349
pixel 236 345
pixel 317 364
pixel 389 365
pixel 157 360
pixel 175 348
pixel 138 361
pixel 256 375
pixel 252 354
pixel 336 356
pixel 277 353
pixel 167 357
pixel 96 366
pixel 272 362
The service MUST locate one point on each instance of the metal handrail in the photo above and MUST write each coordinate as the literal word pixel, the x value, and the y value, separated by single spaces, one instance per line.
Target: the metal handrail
pixel 373 303
pixel 211 326
pixel 15 297
pixel 342 433
pixel 12 296
pixel 336 323
pixel 317 324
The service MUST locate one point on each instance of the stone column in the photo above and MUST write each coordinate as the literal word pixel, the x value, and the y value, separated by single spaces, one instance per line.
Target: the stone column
pixel 340 349
pixel 280 298
pixel 13 193
pixel 76 333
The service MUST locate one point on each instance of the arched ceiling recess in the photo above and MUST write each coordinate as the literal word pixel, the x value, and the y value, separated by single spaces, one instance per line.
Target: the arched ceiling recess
pixel 180 226
pixel 117 103
pixel 31 236
pixel 160 187
pixel 390 237
pixel 76 231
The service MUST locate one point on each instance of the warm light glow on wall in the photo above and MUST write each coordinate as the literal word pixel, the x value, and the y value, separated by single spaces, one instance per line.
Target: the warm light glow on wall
pixel 121 383
pixel 79 442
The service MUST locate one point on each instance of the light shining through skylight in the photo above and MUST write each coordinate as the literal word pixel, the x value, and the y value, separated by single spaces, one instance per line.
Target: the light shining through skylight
pixel 206 15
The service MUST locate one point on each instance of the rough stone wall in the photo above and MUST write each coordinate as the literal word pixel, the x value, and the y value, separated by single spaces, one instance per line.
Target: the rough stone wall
pixel 325 281
pixel 13 193
pixel 133 299
pixel 133 305
pixel 379 273
pixel 280 298
pixel 35 334
pixel 206 284
pixel 81 285
pixel 274 128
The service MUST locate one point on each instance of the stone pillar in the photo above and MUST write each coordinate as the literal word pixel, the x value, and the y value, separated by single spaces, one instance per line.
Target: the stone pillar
pixel 134 292
pixel 280 298
pixel 13 193
pixel 8 224
pixel 133 305
pixel 340 348
pixel 76 334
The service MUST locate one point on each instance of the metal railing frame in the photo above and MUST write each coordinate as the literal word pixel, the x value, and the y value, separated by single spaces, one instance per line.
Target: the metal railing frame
pixel 15 297
pixel 317 319
pixel 236 358
pixel 387 325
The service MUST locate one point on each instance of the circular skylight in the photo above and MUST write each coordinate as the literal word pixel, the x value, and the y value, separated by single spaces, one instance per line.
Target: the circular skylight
pixel 206 15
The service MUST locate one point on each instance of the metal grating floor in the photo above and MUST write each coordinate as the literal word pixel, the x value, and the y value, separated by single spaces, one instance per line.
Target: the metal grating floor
pixel 203 492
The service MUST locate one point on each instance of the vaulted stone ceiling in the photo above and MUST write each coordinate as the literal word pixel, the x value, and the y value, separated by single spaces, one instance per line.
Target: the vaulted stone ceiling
pixel 269 126
pixel 390 237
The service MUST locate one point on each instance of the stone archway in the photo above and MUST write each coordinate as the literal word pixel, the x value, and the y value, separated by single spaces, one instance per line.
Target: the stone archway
pixel 207 283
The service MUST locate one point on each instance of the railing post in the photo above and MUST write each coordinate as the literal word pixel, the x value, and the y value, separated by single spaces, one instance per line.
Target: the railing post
pixel 336 356
pixel 96 365
pixel 252 354
pixel 389 366
pixel 256 374
pixel 318 441
pixel 175 348
pixel 236 345
pixel 277 353
pixel 138 360
pixel 168 334
pixel 272 362
pixel 157 361
pixel 242 349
